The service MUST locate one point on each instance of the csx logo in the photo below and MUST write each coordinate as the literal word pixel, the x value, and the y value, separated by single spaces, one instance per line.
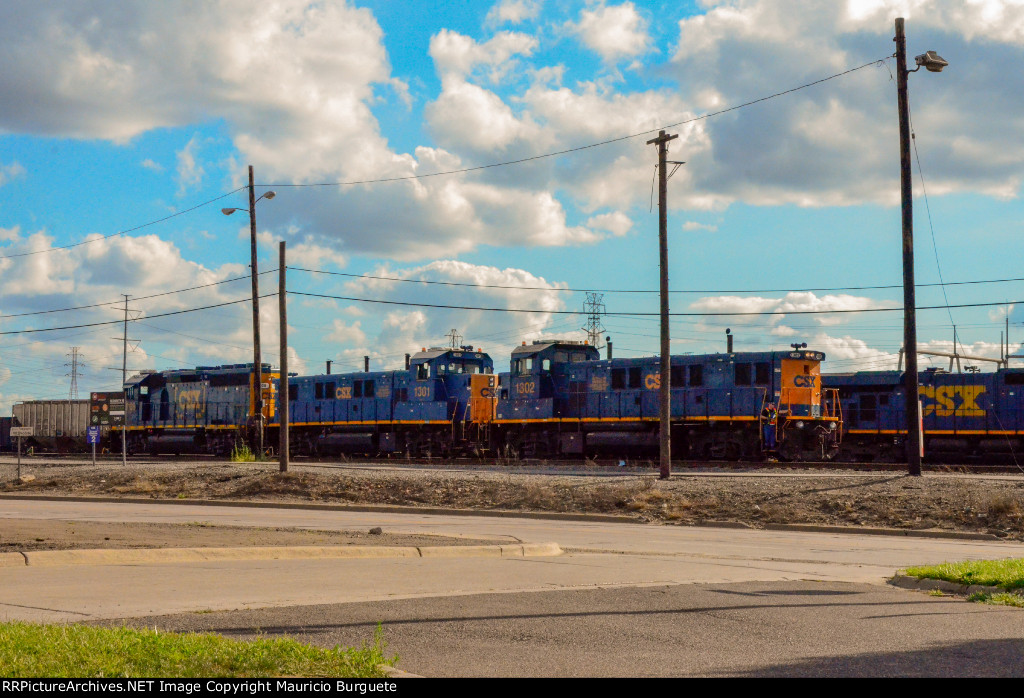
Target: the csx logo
pixel 486 392
pixel 949 400
pixel 193 401
pixel 804 381
pixel 190 399
pixel 652 381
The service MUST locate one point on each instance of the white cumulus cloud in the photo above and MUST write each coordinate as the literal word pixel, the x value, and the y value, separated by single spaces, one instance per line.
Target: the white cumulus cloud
pixel 614 31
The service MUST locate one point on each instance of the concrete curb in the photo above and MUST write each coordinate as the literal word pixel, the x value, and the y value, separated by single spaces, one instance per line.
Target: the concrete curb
pixel 150 556
pixel 906 582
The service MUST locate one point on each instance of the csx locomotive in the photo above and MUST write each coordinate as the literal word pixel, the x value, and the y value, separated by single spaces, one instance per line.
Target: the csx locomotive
pixel 558 399
pixel 965 416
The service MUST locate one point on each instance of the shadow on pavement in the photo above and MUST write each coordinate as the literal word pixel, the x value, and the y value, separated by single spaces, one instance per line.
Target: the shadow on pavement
pixel 979 658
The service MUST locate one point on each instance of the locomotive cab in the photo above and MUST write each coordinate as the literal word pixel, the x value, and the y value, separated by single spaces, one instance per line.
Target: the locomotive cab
pixel 536 368
pixel 441 376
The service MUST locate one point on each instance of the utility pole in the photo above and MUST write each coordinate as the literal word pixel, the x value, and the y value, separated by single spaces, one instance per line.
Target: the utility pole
pixel 665 413
pixel 257 361
pixel 594 308
pixel 283 403
pixel 124 379
pixel 455 338
pixel 911 386
pixel 258 367
pixel 933 63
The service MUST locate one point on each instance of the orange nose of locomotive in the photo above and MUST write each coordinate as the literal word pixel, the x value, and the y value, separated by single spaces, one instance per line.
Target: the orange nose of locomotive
pixel 800 394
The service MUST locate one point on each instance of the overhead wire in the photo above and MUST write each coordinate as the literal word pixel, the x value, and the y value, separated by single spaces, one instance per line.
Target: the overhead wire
pixel 648 291
pixel 640 314
pixel 576 149
pixel 150 317
pixel 135 299
pixel 123 232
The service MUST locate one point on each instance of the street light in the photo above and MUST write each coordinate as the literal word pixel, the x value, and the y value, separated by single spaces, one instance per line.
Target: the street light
pixel 265 195
pixel 255 306
pixel 933 63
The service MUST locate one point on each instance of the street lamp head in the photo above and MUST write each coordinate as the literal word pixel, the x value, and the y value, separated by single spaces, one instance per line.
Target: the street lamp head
pixel 268 195
pixel 228 211
pixel 931 61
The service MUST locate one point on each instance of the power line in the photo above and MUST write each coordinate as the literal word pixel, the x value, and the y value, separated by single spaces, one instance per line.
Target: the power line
pixel 148 317
pixel 141 298
pixel 123 232
pixel 613 290
pixel 506 163
pixel 640 314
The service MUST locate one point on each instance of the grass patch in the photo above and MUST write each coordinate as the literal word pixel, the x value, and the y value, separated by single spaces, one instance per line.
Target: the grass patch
pixel 1004 599
pixel 1006 574
pixel 77 651
pixel 241 453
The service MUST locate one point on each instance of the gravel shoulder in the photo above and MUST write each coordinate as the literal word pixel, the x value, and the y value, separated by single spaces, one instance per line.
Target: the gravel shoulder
pixel 936 501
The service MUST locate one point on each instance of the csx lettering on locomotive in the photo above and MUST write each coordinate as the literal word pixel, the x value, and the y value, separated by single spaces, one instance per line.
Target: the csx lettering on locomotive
pixel 192 403
pixel 804 381
pixel 952 400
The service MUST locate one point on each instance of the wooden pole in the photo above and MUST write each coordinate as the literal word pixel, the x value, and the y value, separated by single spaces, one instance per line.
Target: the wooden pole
pixel 911 385
pixel 665 404
pixel 257 360
pixel 283 403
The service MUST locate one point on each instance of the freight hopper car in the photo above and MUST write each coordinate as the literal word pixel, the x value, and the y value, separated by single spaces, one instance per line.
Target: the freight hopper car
pixel 965 416
pixel 420 411
pixel 209 409
pixel 57 425
pixel 560 398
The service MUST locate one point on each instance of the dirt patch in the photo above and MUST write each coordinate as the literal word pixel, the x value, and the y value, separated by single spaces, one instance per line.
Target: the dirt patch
pixel 943 501
pixel 24 535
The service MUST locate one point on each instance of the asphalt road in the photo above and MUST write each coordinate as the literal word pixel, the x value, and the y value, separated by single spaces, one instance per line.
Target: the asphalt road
pixel 624 600
pixel 745 629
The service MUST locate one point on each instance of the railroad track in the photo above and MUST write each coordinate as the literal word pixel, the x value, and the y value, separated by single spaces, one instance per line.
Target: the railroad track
pixel 601 466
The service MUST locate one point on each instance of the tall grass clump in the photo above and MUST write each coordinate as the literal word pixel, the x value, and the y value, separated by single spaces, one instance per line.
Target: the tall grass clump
pixel 79 651
pixel 241 453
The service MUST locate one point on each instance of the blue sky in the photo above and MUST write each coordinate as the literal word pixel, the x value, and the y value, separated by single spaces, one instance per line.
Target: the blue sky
pixel 116 115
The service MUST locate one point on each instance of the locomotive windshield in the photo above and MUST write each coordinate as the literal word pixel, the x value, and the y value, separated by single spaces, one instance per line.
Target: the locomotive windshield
pixel 459 367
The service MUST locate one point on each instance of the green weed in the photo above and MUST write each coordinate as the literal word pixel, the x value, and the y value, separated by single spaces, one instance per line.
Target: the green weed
pixel 62 651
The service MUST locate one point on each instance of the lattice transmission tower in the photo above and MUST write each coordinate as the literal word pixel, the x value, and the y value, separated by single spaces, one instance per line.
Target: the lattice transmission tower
pixel 455 338
pixel 594 308
pixel 74 356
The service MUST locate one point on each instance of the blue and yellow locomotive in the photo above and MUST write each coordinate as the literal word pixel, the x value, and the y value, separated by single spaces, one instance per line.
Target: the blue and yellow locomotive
pixel 420 411
pixel 965 416
pixel 561 398
pixel 209 409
